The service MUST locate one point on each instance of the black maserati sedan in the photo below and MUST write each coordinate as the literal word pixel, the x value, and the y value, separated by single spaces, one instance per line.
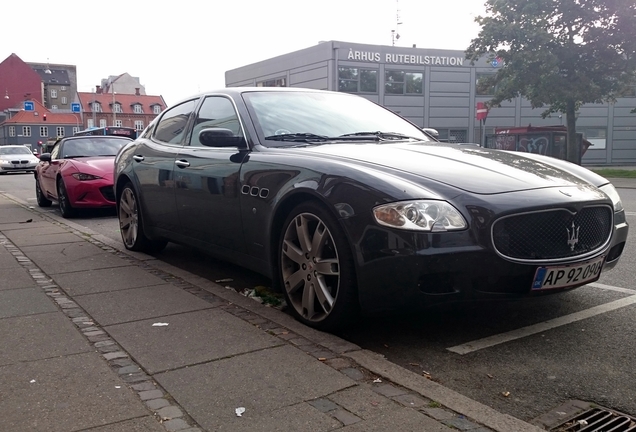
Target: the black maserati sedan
pixel 350 208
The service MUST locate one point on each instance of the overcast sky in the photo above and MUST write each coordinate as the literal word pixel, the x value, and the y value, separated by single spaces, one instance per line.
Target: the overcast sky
pixel 179 48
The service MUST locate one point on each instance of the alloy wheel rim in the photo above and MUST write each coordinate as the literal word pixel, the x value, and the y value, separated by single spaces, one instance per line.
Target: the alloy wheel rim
pixel 128 217
pixel 310 267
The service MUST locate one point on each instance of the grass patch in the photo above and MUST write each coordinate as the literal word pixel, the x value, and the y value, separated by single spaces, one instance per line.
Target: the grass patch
pixel 434 404
pixel 268 296
pixel 615 173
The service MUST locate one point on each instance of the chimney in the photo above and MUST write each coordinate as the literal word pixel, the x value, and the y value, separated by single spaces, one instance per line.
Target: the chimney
pixel 98 89
pixel 137 91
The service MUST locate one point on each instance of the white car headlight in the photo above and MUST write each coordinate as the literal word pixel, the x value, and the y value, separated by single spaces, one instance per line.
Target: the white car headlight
pixel 610 191
pixel 4 162
pixel 420 215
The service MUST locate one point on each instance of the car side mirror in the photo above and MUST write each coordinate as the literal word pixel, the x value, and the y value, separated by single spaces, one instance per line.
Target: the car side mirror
pixel 220 137
pixel 45 157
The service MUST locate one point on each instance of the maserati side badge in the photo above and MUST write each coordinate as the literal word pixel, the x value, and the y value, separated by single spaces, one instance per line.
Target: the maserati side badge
pixel 573 236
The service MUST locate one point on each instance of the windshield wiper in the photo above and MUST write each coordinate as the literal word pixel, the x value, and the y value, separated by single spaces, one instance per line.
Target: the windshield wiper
pixel 298 137
pixel 379 135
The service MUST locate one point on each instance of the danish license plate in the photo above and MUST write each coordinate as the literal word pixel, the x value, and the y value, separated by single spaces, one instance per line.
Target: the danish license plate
pixel 565 276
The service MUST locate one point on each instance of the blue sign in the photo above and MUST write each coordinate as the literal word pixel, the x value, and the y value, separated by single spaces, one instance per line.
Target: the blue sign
pixel 75 107
pixel 29 106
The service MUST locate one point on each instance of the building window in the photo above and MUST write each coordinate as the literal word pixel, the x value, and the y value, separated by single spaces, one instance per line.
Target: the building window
pixel 97 107
pixel 276 82
pixel 53 106
pixel 484 85
pixel 156 109
pixel 118 123
pixel 354 80
pixel 117 108
pixel 11 131
pixel 597 136
pixel 63 88
pixel 137 109
pixel 75 130
pixel 139 125
pixel 44 131
pixel 102 123
pixel 90 124
pixel 64 100
pixel 26 131
pixel 401 82
pixel 60 131
pixel 53 94
pixel 453 135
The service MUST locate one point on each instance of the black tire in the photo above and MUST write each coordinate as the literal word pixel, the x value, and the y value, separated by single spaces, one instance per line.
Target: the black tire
pixel 131 223
pixel 39 196
pixel 316 270
pixel 66 208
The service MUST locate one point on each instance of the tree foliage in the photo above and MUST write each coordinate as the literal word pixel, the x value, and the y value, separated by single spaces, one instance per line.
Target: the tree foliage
pixel 559 54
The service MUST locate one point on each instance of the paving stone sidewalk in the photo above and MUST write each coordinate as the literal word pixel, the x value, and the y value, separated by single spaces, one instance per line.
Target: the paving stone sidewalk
pixel 96 338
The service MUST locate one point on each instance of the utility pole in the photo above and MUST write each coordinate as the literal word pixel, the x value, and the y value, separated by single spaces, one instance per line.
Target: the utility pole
pixel 112 89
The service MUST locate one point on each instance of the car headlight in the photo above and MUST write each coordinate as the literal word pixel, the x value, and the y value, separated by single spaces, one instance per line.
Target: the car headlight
pixel 83 177
pixel 610 191
pixel 420 215
pixel 4 162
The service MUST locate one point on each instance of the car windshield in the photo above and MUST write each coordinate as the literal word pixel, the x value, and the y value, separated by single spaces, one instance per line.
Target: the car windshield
pixel 14 151
pixel 284 118
pixel 93 146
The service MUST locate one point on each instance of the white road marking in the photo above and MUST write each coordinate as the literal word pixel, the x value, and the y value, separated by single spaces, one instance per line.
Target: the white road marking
pixel 630 213
pixel 543 326
pixel 612 288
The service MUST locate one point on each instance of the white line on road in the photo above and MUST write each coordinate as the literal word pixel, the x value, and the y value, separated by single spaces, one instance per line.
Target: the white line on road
pixel 611 288
pixel 630 213
pixel 540 327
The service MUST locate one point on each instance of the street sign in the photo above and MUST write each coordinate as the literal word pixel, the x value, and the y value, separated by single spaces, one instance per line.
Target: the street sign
pixel 481 112
pixel 29 106
pixel 75 107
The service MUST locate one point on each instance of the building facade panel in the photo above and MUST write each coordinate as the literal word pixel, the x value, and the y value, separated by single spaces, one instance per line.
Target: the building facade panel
pixel 300 77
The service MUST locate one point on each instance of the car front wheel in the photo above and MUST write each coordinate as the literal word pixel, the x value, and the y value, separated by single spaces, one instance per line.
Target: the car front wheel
pixel 62 198
pixel 316 269
pixel 39 195
pixel 130 223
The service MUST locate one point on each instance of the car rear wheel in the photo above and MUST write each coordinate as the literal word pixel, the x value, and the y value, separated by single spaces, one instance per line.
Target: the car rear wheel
pixel 62 198
pixel 39 195
pixel 131 223
pixel 316 269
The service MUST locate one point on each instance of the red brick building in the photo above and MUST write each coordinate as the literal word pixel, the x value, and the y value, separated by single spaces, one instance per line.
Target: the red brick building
pixel 18 82
pixel 101 109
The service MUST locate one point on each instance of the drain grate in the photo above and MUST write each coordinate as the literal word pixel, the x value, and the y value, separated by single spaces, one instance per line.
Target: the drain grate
pixel 598 420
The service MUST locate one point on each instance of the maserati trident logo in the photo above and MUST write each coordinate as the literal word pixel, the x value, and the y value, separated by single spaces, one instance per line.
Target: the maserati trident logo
pixel 573 236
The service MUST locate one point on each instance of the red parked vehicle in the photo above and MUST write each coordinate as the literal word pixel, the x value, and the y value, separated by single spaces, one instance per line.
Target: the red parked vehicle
pixel 78 173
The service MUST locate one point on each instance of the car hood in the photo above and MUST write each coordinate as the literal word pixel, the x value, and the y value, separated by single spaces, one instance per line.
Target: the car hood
pixel 470 168
pixel 99 165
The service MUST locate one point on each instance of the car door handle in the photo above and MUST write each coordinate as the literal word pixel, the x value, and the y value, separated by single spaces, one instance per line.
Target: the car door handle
pixel 138 158
pixel 182 163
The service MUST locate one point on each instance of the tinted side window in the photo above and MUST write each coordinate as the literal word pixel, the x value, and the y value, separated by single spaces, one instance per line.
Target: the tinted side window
pixel 215 112
pixel 172 126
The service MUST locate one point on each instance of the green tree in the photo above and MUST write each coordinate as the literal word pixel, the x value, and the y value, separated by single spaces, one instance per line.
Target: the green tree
pixel 558 54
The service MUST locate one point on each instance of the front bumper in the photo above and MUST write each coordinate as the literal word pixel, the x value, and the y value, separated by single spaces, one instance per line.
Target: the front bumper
pixel 18 167
pixel 398 270
pixel 90 193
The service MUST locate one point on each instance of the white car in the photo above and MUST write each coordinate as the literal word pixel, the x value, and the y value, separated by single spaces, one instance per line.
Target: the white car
pixel 15 158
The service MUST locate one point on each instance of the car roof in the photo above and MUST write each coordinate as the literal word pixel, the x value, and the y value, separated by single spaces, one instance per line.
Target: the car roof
pixel 237 91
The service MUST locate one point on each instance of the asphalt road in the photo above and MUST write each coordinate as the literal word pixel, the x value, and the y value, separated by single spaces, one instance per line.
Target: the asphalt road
pixel 523 358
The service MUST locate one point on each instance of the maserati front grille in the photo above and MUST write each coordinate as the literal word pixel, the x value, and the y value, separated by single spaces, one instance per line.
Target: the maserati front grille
pixel 553 234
